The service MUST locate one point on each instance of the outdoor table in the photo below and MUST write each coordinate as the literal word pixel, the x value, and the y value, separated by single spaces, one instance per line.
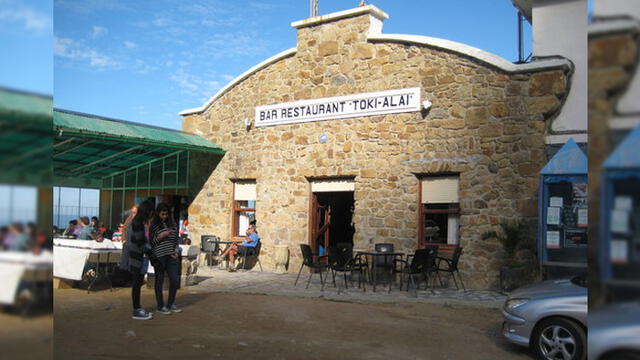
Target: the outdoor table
pixel 71 255
pixel 373 255
pixel 16 266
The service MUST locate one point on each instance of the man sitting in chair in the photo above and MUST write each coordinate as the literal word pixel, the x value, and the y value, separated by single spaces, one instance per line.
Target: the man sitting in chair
pixel 251 240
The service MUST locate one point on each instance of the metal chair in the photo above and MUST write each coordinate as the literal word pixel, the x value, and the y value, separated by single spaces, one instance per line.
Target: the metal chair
pixel 422 262
pixel 450 266
pixel 341 260
pixel 250 252
pixel 114 260
pixel 210 245
pixel 100 259
pixel 312 261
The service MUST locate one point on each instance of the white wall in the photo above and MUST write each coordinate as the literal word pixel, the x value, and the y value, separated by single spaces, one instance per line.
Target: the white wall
pixel 628 107
pixel 560 28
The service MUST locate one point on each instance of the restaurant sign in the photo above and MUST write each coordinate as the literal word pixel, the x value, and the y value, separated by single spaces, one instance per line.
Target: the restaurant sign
pixel 340 107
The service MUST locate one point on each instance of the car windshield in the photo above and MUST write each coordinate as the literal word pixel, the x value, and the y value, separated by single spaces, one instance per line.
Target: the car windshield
pixel 580 281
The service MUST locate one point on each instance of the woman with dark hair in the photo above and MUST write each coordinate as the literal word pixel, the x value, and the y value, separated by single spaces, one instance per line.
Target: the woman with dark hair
pixel 164 241
pixel 137 245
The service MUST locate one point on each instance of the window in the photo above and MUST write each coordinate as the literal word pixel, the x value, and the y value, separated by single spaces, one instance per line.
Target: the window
pixel 244 206
pixel 439 210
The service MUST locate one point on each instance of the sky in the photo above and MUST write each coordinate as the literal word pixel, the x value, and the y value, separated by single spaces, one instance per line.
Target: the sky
pixel 146 61
pixel 26 30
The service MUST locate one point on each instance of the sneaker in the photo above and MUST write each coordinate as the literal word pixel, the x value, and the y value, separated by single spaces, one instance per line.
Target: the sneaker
pixel 175 309
pixel 164 310
pixel 140 314
pixel 232 269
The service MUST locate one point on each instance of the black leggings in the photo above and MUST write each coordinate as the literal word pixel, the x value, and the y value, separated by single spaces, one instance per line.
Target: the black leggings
pixel 137 280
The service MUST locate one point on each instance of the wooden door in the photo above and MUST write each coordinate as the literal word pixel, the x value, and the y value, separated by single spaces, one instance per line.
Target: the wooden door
pixel 320 223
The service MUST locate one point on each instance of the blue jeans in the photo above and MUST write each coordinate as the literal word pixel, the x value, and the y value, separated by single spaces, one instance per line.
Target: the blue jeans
pixel 170 265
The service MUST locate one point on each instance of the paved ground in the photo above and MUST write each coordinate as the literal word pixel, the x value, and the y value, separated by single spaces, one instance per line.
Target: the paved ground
pixel 254 315
pixel 269 283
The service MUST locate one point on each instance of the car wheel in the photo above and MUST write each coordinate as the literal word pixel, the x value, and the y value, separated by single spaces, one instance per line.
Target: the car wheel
pixel 559 339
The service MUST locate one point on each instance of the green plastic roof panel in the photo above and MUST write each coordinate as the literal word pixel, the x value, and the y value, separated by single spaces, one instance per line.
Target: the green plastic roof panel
pixel 89 148
pixel 25 138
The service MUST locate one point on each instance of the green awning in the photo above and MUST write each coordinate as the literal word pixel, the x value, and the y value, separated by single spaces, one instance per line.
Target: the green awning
pixel 25 138
pixel 89 148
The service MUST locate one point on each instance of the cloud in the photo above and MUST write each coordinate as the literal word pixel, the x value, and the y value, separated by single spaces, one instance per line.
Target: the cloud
pixel 130 44
pixel 29 19
pixel 98 32
pixel 199 87
pixel 74 51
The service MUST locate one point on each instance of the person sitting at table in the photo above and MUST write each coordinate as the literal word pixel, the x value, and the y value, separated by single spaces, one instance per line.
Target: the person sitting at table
pixel 97 235
pixel 94 222
pixel 87 229
pixel 21 241
pixel 72 229
pixel 117 235
pixel 4 231
pixel 251 240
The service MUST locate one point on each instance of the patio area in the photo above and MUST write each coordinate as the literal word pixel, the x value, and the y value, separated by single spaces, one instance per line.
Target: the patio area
pixel 269 283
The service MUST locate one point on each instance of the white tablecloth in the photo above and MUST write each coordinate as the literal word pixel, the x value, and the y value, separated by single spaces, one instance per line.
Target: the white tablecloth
pixel 13 266
pixel 71 255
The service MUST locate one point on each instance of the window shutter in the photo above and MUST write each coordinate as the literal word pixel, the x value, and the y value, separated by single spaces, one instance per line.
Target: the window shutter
pixel 245 191
pixel 440 190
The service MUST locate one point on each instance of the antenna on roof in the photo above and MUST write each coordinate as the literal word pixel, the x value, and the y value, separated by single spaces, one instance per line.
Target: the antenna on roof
pixel 313 8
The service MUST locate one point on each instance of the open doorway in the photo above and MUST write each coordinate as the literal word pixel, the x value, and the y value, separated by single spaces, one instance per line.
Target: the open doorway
pixel 331 219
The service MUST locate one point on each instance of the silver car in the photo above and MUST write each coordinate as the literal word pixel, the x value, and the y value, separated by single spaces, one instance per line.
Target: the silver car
pixel 614 332
pixel 550 317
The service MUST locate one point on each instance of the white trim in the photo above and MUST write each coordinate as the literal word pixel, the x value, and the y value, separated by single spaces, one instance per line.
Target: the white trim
pixel 624 122
pixel 563 138
pixel 238 79
pixel 338 185
pixel 613 26
pixel 474 52
pixel 371 9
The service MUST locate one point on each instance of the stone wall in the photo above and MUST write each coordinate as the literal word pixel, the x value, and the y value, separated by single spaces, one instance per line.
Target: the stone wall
pixel 486 124
pixel 613 61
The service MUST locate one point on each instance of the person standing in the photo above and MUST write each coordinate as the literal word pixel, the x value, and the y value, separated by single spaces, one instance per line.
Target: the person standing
pixel 164 241
pixel 136 246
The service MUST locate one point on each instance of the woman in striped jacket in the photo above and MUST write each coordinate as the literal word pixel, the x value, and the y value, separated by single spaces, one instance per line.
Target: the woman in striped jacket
pixel 164 240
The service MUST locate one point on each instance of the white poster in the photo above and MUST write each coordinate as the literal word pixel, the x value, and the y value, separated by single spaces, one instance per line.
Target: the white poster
pixel 623 203
pixel 619 251
pixel 553 215
pixel 620 221
pixel 555 201
pixel 583 217
pixel 553 239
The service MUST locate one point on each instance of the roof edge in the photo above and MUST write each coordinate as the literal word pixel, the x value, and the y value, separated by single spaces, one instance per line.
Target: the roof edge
pixel 367 9
pixel 238 79
pixel 475 53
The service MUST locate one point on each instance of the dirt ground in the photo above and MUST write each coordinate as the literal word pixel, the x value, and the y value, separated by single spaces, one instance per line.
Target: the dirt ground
pixel 26 337
pixel 242 326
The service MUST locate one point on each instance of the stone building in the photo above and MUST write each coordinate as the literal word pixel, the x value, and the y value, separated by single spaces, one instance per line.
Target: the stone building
pixel 462 154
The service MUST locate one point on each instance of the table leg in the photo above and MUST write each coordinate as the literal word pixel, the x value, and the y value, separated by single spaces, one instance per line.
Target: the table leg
pixel 375 280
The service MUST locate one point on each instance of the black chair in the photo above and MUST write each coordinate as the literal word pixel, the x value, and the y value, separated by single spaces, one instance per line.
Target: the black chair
pixel 450 266
pixel 312 261
pixel 209 244
pixel 248 251
pixel 421 263
pixel 341 260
